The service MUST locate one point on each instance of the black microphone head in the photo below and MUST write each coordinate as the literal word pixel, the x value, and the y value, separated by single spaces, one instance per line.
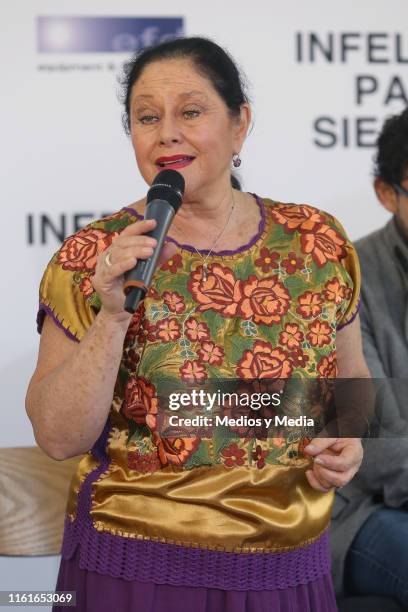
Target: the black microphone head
pixel 167 185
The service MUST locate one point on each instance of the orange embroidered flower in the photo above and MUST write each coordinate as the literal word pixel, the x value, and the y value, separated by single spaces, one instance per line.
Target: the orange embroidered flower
pixel 259 456
pixel 319 334
pixel 268 260
pixel 133 329
pixel 211 353
pixel 143 463
pixel 220 292
pixel 291 336
pixel 80 252
pixel 174 301
pixel 334 291
pixel 324 244
pixel 173 264
pixel 298 359
pixel 263 300
pixel 233 455
pixel 175 451
pixel 264 362
pixel 310 304
pixel 196 331
pixel 293 217
pixel 86 286
pixel 168 330
pixel 278 441
pixel 327 366
pixel 147 332
pixel 192 370
pixel 292 263
pixel 140 402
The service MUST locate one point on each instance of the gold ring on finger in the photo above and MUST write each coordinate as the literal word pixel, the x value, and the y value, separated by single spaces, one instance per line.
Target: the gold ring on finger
pixel 108 260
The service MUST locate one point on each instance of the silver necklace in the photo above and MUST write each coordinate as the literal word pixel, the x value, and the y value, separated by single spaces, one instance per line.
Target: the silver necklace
pixel 204 274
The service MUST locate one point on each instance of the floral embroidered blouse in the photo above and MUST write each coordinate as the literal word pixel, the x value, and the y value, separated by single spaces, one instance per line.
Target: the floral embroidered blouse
pixel 269 309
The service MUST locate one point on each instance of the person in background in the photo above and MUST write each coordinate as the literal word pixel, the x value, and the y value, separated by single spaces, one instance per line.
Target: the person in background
pixel 369 533
pixel 246 288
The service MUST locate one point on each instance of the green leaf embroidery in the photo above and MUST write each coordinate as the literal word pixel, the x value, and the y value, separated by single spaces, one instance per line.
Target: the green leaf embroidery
pixel 187 353
pixel 155 360
pixel 293 437
pixel 117 225
pixel 249 328
pixel 250 448
pixel 137 433
pixel 200 457
pixel 158 313
pixel 154 312
pixel 273 455
pixel 95 300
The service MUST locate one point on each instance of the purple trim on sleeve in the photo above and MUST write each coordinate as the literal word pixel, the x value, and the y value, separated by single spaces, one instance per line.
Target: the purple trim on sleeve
pixel 43 309
pixel 132 211
pixel 352 318
pixel 245 247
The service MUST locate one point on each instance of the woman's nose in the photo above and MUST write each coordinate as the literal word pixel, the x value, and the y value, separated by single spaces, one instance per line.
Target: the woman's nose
pixel 169 130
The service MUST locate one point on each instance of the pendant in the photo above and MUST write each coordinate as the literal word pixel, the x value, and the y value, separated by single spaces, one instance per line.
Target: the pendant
pixel 204 273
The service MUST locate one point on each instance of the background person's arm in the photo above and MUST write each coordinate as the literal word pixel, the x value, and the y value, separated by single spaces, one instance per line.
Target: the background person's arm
pixel 384 470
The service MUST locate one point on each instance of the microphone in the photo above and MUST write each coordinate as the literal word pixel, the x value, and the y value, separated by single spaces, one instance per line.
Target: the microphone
pixel 163 201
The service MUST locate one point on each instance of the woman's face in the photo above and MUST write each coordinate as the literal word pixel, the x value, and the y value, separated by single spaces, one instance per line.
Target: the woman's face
pixel 178 121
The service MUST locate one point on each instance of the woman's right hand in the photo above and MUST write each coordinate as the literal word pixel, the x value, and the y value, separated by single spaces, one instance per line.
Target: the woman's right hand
pixel 124 252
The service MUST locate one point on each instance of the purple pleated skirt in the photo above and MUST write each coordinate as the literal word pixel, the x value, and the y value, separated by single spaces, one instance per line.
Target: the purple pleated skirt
pixel 97 592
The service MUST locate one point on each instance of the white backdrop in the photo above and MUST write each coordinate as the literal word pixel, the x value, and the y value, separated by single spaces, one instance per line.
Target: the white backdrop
pixel 65 153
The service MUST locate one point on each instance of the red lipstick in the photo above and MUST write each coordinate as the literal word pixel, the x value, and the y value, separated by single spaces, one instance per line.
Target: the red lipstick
pixel 174 161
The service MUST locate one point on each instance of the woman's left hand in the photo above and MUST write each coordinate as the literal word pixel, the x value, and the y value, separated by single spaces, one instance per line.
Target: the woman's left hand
pixel 336 461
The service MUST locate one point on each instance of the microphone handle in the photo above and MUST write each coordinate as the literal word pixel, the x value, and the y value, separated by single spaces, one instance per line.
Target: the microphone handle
pixel 137 280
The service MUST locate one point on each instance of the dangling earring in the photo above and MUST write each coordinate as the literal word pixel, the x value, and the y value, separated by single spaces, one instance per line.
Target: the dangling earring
pixel 236 160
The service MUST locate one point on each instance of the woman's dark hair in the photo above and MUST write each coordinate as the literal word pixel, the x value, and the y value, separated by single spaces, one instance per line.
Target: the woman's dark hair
pixel 211 61
pixel 391 161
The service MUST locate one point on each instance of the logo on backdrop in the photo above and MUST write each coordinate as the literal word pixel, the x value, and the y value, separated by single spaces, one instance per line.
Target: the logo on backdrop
pixel 52 229
pixel 80 39
pixel 380 82
pixel 104 34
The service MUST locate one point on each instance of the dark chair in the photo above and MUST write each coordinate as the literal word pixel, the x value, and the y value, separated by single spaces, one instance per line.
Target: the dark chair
pixel 368 604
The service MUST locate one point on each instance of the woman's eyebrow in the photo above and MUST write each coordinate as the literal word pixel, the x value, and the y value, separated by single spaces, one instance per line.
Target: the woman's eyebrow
pixel 194 93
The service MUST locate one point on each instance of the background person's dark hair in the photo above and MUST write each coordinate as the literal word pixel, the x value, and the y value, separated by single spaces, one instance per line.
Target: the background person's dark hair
pixel 391 161
pixel 209 59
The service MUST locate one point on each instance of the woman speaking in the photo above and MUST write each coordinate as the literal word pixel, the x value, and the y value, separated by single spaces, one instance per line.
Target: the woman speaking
pixel 245 288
